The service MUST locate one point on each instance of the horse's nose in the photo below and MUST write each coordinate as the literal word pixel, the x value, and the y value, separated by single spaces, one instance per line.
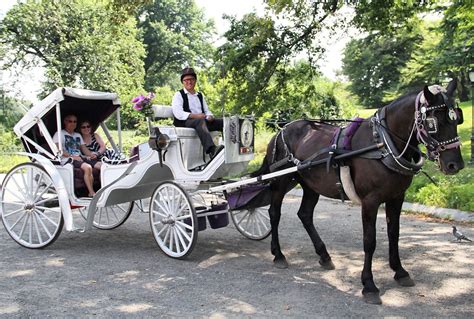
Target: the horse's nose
pixel 454 167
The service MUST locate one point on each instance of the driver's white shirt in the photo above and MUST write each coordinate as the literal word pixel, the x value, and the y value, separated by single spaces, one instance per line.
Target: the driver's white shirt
pixel 194 105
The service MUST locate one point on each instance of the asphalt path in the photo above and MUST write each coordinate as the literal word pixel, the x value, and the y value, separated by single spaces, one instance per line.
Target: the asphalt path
pixel 123 273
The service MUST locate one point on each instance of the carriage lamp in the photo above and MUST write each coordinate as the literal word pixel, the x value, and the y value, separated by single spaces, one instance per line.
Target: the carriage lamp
pixel 471 79
pixel 163 141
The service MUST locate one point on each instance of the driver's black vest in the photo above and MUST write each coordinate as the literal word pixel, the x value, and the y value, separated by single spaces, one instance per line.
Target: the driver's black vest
pixel 181 123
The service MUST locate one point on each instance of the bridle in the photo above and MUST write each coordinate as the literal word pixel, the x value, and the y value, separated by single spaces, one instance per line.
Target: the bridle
pixel 427 125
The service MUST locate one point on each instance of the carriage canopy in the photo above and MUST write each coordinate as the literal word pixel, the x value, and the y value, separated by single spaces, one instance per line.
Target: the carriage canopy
pixel 39 124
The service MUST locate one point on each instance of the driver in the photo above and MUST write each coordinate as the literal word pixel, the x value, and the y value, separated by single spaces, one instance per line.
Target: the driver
pixel 190 110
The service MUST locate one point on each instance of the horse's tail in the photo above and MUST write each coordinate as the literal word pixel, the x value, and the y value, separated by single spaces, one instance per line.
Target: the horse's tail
pixel 265 168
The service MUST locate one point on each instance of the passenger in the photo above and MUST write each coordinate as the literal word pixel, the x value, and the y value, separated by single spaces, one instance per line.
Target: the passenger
pixel 190 110
pixel 73 147
pixel 96 144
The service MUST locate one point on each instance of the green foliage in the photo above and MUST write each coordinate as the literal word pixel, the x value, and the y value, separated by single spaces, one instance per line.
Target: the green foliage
pixel 176 34
pixel 259 50
pixel 387 16
pixel 9 142
pixel 77 43
pixel 11 110
pixel 373 64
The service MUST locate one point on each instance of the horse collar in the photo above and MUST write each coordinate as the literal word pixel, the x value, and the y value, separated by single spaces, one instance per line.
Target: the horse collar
pixel 391 157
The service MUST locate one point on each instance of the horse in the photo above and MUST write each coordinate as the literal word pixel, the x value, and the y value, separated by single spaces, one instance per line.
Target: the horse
pixel 381 175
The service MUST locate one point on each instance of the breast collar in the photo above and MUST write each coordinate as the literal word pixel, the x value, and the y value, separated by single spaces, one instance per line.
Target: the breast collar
pixel 390 156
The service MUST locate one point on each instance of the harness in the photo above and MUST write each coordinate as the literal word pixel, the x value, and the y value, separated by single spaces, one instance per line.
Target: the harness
pixel 181 123
pixel 425 124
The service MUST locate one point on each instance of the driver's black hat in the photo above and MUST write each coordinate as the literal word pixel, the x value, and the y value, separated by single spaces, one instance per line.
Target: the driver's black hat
pixel 188 71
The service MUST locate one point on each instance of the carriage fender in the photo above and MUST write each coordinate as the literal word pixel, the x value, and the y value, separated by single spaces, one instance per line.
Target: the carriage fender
pixel 63 196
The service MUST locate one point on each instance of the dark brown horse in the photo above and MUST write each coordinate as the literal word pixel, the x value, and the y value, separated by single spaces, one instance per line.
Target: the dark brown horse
pixel 382 176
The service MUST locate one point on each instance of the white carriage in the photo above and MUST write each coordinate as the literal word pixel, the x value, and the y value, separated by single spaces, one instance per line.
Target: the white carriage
pixel 170 172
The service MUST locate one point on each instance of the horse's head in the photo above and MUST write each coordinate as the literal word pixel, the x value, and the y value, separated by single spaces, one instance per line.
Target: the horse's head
pixel 437 118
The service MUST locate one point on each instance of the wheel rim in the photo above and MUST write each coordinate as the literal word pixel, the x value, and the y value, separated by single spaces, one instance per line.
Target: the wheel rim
pixel 173 220
pixel 110 217
pixel 252 223
pixel 30 206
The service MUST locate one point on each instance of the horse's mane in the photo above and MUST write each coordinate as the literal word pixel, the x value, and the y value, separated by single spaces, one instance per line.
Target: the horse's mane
pixel 401 99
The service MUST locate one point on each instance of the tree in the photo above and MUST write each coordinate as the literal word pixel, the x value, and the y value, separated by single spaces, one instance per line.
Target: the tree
pixel 76 42
pixel 258 49
pixel 373 64
pixel 176 34
pixel 456 48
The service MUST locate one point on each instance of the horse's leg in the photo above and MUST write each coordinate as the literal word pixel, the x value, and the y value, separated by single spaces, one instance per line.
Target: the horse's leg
pixel 392 212
pixel 278 192
pixel 369 217
pixel 305 213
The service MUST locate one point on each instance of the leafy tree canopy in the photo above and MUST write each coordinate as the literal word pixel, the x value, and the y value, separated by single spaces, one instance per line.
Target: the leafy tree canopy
pixel 373 64
pixel 176 34
pixel 76 42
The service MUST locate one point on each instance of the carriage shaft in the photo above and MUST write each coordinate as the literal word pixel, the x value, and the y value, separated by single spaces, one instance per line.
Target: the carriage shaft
pixel 286 171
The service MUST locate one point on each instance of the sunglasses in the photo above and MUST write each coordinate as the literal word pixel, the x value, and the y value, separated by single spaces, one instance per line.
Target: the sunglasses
pixel 86 126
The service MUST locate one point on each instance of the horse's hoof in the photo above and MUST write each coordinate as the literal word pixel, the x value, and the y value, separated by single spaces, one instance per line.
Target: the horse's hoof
pixel 328 265
pixel 406 282
pixel 280 263
pixel 372 298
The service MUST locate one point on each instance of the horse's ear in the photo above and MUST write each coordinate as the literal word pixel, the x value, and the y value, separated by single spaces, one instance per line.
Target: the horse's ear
pixel 430 98
pixel 452 87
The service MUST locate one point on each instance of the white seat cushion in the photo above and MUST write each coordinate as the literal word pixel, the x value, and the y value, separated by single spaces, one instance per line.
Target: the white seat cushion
pixel 162 111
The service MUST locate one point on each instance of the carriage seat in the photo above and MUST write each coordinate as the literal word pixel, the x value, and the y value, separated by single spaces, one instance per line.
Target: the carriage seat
pixel 166 112
pixel 79 185
pixel 192 152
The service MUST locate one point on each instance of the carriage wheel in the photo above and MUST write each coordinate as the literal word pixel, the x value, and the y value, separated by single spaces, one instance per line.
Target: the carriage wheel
pixel 253 223
pixel 30 206
pixel 110 217
pixel 173 220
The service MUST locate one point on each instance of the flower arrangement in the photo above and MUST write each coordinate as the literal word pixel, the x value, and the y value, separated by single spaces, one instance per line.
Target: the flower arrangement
pixel 143 103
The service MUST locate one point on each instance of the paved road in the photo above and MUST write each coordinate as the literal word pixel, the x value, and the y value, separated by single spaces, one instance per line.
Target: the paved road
pixel 122 273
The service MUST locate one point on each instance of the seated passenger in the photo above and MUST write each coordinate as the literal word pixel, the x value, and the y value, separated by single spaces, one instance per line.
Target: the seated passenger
pixel 95 144
pixel 190 110
pixel 73 147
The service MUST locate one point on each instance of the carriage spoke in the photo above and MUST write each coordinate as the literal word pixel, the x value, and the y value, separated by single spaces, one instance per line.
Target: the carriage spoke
pixel 182 231
pixel 176 240
pixel 246 214
pixel 165 227
pixel 161 207
pixel 46 217
pixel 44 226
pixel 171 238
pixel 43 192
pixel 18 220
pixel 184 225
pixel 12 203
pixel 16 196
pixel 47 200
pixel 165 199
pixel 37 228
pixel 30 229
pixel 14 212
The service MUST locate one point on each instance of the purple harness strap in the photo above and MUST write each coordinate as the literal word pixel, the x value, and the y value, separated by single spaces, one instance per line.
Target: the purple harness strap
pixel 348 132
